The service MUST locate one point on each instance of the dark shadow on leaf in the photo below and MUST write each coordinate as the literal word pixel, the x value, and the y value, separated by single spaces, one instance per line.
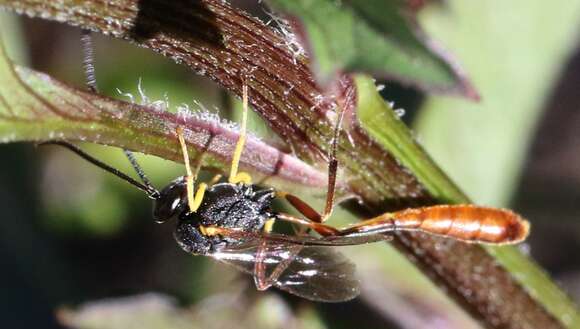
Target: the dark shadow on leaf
pixel 179 19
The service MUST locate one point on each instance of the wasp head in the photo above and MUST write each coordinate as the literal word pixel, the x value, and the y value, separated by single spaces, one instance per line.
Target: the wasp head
pixel 171 202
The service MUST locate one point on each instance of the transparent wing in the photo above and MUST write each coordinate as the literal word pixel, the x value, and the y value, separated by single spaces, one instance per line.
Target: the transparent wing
pixel 350 239
pixel 313 272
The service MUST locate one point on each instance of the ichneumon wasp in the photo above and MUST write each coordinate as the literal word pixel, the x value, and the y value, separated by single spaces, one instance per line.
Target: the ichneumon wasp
pixel 232 221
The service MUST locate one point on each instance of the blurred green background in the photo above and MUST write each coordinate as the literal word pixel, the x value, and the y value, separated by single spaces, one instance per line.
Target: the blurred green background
pixel 71 234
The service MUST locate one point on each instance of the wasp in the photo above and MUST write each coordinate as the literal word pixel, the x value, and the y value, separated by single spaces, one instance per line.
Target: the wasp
pixel 232 222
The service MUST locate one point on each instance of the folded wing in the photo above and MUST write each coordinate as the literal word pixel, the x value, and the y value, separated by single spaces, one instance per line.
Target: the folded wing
pixel 313 272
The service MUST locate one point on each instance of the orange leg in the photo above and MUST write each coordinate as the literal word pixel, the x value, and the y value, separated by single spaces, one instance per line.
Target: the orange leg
pixel 302 207
pixel 332 170
pixel 322 229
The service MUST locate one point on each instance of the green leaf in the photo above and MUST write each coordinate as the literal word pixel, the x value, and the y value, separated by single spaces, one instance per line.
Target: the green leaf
pixel 34 107
pixel 485 144
pixel 492 293
pixel 514 53
pixel 381 122
pixel 375 115
pixel 371 36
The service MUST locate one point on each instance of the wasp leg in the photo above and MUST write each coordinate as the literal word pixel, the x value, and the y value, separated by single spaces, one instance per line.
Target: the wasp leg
pixel 241 177
pixel 193 200
pixel 332 169
pixel 300 205
pixel 235 176
pixel 269 225
pixel 215 179
pixel 322 229
pixel 261 279
pixel 385 223
pixel 200 193
pixel 306 209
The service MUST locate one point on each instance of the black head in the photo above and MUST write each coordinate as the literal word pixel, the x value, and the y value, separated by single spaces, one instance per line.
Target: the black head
pixel 171 202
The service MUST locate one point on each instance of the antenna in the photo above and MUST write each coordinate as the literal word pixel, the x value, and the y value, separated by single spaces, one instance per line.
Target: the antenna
pixel 150 190
pixel 138 169
pixel 89 67
pixel 89 60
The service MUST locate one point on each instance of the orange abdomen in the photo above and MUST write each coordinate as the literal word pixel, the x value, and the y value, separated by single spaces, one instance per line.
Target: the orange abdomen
pixel 464 222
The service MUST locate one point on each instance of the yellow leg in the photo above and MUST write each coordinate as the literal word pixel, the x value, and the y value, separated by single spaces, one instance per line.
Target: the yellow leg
pixel 269 225
pixel 200 192
pixel 235 176
pixel 210 230
pixel 193 201
pixel 214 230
pixel 215 179
pixel 241 177
pixel 189 179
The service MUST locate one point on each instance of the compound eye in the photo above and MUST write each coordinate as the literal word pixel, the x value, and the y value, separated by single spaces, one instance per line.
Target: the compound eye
pixel 171 202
